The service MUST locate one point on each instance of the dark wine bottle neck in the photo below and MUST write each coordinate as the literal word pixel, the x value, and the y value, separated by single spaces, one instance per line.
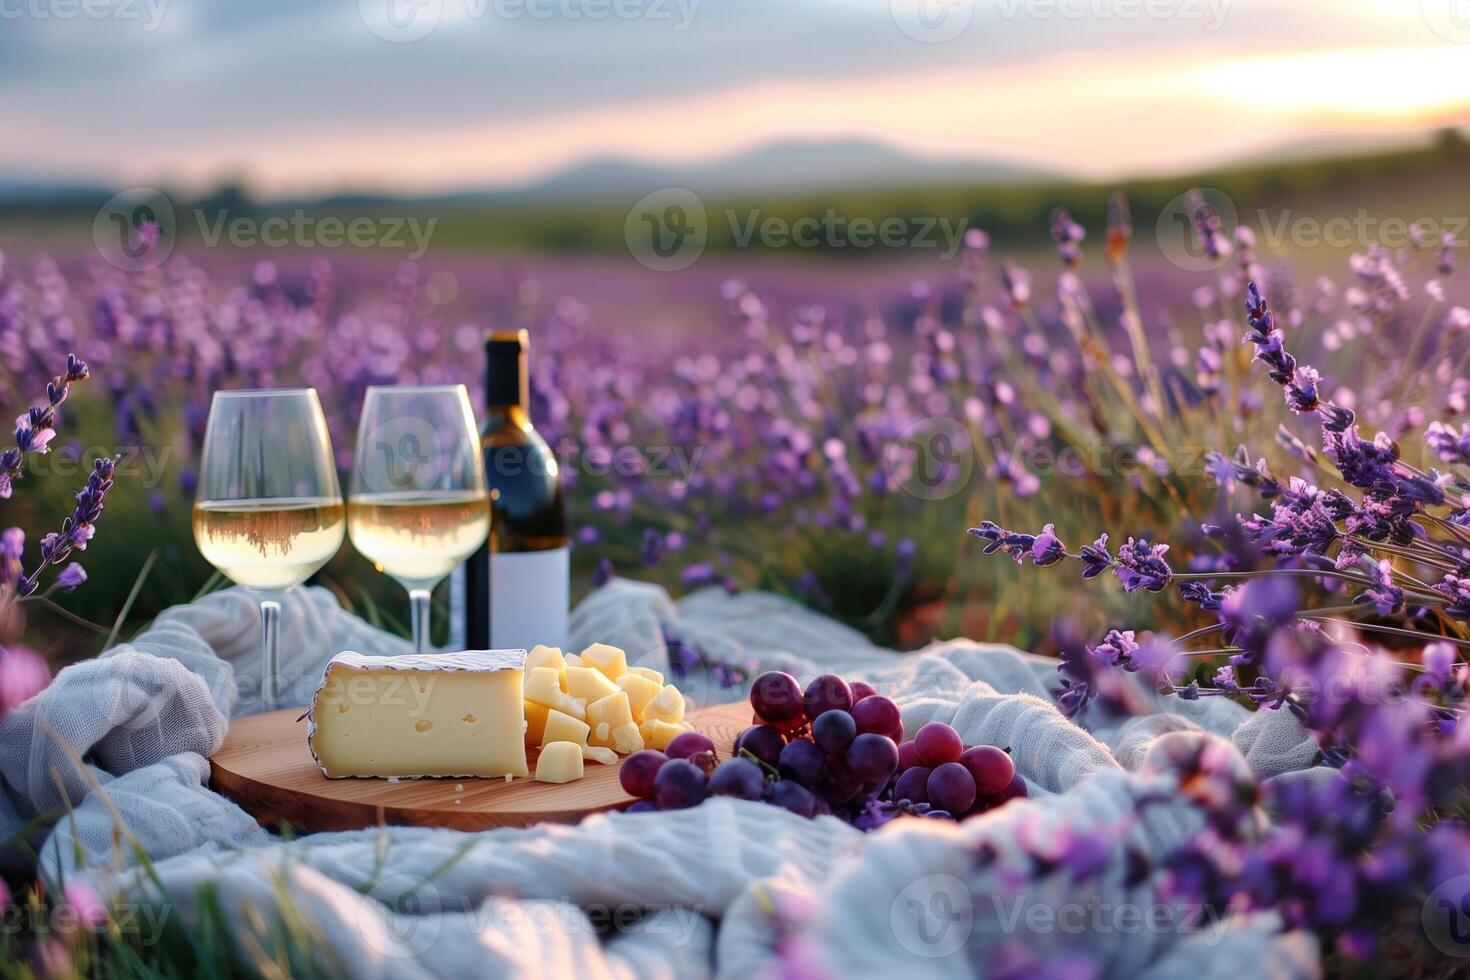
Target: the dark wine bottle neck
pixel 507 385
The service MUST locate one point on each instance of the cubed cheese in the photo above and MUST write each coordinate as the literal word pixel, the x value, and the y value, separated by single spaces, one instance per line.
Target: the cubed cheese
pixel 542 655
pixel 658 734
pixel 589 683
pixel 443 714
pixel 543 685
pixel 573 660
pixel 597 753
pixel 612 711
pixel 560 762
pixel 562 727
pixel 649 673
pixel 535 722
pixel 640 691
pixel 627 739
pixel 609 659
pixel 667 705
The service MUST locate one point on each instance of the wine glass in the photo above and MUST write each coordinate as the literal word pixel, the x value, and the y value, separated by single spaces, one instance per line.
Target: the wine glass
pixel 268 512
pixel 418 506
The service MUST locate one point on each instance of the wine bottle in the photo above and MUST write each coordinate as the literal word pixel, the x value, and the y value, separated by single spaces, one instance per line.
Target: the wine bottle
pixel 516 589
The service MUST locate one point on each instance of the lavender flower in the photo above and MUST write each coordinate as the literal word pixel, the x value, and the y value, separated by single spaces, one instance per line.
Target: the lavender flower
pixel 1047 548
pixel 1095 558
pixel 1120 226
pixel 23 675
pixel 1384 595
pixel 1068 235
pixel 70 577
pixel 35 428
pixel 12 547
pixel 1142 566
pixel 1449 443
pixel 76 530
pixel 652 551
pixel 603 573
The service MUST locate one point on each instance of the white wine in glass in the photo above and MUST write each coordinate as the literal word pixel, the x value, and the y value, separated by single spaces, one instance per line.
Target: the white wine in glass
pixel 417 506
pixel 268 513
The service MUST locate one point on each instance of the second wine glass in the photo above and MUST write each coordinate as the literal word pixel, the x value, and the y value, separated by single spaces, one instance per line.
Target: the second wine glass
pixel 417 506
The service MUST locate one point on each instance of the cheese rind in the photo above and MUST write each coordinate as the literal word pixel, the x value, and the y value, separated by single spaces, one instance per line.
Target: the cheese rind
pixel 447 714
pixel 560 762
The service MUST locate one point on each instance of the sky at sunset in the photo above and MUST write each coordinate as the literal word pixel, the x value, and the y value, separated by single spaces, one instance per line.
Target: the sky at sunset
pixel 422 95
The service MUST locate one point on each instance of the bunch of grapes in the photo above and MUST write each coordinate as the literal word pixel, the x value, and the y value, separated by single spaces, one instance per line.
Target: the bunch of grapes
pixel 835 748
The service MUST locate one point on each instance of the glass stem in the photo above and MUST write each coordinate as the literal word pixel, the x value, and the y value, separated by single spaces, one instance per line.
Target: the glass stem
pixel 270 653
pixel 418 601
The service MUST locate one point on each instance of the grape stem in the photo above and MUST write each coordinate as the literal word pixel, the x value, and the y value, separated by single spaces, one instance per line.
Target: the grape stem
pixel 766 767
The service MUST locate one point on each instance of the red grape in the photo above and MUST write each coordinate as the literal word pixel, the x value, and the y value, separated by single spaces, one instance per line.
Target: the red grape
pixel 802 762
pixel 913 785
pixel 739 778
pixel 642 806
pixel 687 744
pixel 991 767
pixel 952 788
pixel 827 692
pixel 776 697
pixel 678 784
pixel 762 741
pixel 860 691
pixel 794 797
pixel 637 772
pixel 937 744
pixel 872 757
pixel 1016 790
pixel 908 755
pixel 876 714
pixel 839 784
pixel 834 731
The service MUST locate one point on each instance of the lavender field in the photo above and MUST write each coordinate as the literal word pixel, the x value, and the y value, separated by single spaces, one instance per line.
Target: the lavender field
pixel 1262 469
pixel 823 431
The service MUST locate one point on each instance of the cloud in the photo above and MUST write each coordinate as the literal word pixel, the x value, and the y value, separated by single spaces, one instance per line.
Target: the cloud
pixel 300 93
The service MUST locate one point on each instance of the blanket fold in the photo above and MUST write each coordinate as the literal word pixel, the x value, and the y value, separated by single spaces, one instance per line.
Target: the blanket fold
pixel 115 751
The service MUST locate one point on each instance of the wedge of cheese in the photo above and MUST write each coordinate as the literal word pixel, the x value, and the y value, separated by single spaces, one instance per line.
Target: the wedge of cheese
pixel 440 714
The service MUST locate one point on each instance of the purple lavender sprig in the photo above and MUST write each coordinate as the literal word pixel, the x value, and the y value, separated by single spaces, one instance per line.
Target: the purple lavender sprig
pixel 1138 565
pixel 35 427
pixel 1068 235
pixel 76 530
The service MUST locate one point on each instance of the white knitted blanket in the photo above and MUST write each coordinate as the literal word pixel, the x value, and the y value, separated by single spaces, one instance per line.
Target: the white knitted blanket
pixel 112 759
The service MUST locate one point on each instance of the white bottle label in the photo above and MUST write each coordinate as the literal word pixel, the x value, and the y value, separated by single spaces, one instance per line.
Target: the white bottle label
pixel 530 598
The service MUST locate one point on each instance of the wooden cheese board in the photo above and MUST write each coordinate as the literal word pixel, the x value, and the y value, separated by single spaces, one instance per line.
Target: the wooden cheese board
pixel 265 766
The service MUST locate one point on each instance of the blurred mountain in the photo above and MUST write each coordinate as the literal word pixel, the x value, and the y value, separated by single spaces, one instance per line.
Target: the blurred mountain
pixel 42 192
pixel 787 168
